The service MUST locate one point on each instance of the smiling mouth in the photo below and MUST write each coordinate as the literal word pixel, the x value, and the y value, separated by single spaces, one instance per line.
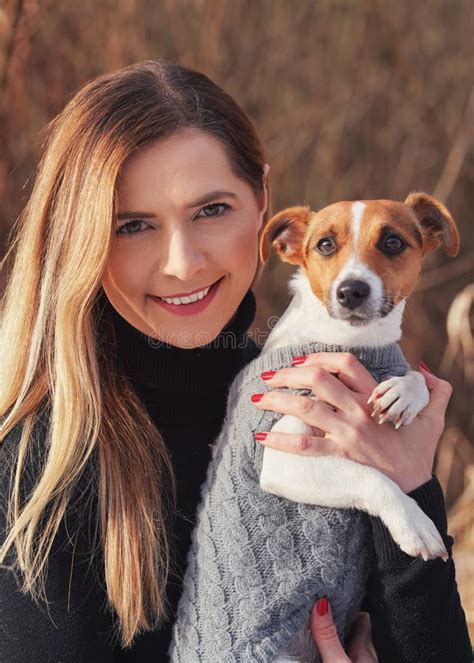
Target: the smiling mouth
pixel 187 299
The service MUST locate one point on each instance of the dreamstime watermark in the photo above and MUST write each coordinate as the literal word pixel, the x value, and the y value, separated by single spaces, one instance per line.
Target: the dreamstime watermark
pixel 225 340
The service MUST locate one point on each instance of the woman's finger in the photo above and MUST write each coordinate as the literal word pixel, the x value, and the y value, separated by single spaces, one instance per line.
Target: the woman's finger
pixel 311 411
pixel 345 365
pixel 360 647
pixel 325 634
pixel 324 385
pixel 433 415
pixel 298 443
pixel 440 393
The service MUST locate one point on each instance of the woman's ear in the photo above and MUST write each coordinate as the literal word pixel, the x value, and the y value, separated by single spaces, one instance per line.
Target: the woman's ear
pixel 264 197
pixel 285 232
pixel 439 228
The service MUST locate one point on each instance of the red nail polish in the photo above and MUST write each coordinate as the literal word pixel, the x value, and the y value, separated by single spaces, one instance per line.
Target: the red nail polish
pixel 322 606
pixel 260 436
pixel 256 397
pixel 425 367
pixel 266 375
pixel 298 360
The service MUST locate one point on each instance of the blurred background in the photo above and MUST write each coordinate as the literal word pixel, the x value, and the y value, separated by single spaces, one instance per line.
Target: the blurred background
pixel 353 99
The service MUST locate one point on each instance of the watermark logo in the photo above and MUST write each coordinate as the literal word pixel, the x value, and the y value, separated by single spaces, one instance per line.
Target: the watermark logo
pixel 225 340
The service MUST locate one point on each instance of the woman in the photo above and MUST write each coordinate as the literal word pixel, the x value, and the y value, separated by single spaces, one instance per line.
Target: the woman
pixel 152 187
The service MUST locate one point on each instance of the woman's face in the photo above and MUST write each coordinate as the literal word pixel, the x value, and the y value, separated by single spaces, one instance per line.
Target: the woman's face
pixel 186 227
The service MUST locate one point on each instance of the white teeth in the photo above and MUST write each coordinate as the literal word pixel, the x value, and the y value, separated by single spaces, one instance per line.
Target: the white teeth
pixel 188 299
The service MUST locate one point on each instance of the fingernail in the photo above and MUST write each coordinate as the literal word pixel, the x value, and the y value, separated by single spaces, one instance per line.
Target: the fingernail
pixel 296 361
pixel 256 398
pixel 425 367
pixel 260 436
pixel 267 375
pixel 322 606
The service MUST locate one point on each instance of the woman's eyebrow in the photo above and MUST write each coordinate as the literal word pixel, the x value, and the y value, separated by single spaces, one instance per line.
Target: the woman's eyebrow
pixel 130 215
pixel 210 196
pixel 195 203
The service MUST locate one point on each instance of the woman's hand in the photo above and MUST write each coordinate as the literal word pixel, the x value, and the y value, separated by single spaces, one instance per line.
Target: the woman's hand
pixel 360 648
pixel 341 420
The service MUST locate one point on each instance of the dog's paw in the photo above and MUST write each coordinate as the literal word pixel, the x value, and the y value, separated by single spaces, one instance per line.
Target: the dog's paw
pixel 399 399
pixel 416 534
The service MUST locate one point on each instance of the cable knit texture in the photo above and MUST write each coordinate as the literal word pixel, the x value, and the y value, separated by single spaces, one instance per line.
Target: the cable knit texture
pixel 258 562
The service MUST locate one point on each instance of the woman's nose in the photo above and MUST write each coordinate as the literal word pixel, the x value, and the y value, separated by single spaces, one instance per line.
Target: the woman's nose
pixel 183 257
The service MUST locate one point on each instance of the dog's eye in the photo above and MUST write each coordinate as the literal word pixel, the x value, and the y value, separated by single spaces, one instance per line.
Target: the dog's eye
pixel 325 246
pixel 393 244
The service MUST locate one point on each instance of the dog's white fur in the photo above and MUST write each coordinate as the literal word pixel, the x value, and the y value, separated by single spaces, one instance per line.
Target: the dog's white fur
pixel 334 481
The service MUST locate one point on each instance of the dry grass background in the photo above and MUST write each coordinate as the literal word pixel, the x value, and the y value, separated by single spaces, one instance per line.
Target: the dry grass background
pixel 353 98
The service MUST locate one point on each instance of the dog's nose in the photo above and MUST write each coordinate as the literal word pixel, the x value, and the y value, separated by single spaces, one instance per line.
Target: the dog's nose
pixel 351 294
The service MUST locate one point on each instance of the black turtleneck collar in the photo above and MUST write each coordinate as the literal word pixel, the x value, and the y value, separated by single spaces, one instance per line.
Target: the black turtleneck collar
pixel 164 367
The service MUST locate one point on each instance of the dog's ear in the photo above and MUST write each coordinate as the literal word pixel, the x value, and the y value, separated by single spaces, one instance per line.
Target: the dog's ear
pixel 439 228
pixel 285 232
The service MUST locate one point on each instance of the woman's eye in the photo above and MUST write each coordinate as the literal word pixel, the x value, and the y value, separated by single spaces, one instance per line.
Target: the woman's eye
pixel 132 227
pixel 214 210
pixel 326 246
pixel 393 244
pixel 136 226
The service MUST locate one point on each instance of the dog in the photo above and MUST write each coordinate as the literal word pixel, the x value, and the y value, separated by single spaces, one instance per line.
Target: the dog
pixel 358 262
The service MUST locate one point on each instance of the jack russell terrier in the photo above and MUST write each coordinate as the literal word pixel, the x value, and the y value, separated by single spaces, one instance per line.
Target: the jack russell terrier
pixel 358 262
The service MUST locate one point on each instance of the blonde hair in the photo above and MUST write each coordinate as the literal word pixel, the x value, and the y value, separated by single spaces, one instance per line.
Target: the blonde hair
pixel 58 349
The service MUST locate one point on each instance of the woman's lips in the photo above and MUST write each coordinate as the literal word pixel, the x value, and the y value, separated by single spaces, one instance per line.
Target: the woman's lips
pixel 193 307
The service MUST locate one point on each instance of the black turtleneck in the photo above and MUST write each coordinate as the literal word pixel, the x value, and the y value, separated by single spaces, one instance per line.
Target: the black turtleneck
pixel 185 393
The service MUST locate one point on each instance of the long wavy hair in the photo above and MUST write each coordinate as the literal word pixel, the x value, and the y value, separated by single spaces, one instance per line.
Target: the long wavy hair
pixel 58 349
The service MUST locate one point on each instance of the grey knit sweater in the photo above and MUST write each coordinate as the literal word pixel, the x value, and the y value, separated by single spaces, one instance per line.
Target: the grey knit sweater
pixel 258 562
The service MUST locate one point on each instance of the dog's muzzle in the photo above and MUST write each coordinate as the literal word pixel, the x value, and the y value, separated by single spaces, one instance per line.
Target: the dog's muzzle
pixel 353 301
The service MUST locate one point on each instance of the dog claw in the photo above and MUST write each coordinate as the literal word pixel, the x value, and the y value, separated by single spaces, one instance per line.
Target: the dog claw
pixel 372 398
